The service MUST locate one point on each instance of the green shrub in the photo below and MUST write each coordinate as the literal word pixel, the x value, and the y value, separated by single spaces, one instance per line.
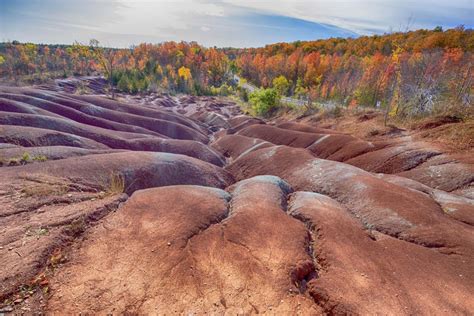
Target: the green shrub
pixel 131 81
pixel 264 101
pixel 123 84
pixel 25 158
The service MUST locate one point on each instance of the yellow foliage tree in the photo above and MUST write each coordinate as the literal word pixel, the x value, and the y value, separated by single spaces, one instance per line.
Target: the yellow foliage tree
pixel 184 73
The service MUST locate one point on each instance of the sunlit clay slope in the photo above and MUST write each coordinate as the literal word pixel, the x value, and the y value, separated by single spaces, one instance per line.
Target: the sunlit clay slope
pixel 183 205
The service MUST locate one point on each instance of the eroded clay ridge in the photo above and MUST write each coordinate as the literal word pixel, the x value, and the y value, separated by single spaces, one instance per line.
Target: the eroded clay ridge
pixel 183 205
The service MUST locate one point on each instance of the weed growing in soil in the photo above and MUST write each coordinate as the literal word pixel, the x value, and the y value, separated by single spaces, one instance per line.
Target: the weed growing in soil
pixel 116 185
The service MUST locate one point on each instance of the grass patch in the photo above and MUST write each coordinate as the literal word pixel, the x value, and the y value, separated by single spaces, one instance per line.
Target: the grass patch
pixel 44 189
pixel 22 160
pixel 116 184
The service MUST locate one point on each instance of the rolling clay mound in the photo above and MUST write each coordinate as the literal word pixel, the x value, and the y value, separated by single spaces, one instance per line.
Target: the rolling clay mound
pixel 280 136
pixel 389 208
pixel 242 121
pixel 31 137
pixel 139 110
pixel 300 127
pixel 7 105
pixel 235 146
pixel 365 272
pixel 332 146
pixel 113 207
pixel 16 155
pixel 61 120
pixel 138 170
pixel 312 256
pixel 411 218
pixel 46 205
pixel 67 126
pixel 214 120
pixel 98 85
pixel 91 114
pixel 413 159
pixel 200 260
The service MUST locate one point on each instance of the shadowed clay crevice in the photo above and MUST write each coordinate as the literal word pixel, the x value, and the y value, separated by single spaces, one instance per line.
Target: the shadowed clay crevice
pixel 305 271
pixel 218 219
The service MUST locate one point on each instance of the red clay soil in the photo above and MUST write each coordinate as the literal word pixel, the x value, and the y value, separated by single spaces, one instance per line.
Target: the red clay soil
pixel 41 201
pixel 416 225
pixel 413 159
pixel 300 127
pixel 132 207
pixel 30 137
pixel 190 262
pixel 110 123
pixel 234 146
pixel 14 155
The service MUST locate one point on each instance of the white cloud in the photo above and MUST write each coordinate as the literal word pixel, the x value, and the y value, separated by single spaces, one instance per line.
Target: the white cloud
pixel 368 16
pixel 233 22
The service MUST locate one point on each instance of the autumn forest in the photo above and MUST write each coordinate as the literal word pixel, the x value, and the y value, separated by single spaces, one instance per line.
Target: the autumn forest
pixel 406 73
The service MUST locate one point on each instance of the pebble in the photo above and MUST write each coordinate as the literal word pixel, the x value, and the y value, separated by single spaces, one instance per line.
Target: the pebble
pixel 169 244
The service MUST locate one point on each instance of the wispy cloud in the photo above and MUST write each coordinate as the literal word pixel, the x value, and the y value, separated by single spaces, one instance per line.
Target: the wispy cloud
pixel 370 16
pixel 220 22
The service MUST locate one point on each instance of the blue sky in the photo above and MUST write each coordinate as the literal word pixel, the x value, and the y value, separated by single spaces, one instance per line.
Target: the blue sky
pixel 238 23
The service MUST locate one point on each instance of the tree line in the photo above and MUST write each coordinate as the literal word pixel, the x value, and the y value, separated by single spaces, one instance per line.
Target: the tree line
pixel 406 73
pixel 170 66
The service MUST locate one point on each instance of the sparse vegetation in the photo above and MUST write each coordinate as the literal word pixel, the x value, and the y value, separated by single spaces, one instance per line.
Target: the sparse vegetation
pixel 37 232
pixel 22 160
pixel 37 189
pixel 116 184
pixel 40 158
pixel 25 158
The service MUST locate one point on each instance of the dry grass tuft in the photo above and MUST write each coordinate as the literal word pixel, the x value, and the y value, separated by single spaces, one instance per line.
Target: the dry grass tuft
pixel 457 136
pixel 116 184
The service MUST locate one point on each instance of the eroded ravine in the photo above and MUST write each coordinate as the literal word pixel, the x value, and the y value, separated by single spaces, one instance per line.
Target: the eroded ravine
pixel 232 215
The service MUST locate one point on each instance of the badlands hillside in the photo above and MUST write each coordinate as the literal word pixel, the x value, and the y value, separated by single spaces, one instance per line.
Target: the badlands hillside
pixel 184 205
